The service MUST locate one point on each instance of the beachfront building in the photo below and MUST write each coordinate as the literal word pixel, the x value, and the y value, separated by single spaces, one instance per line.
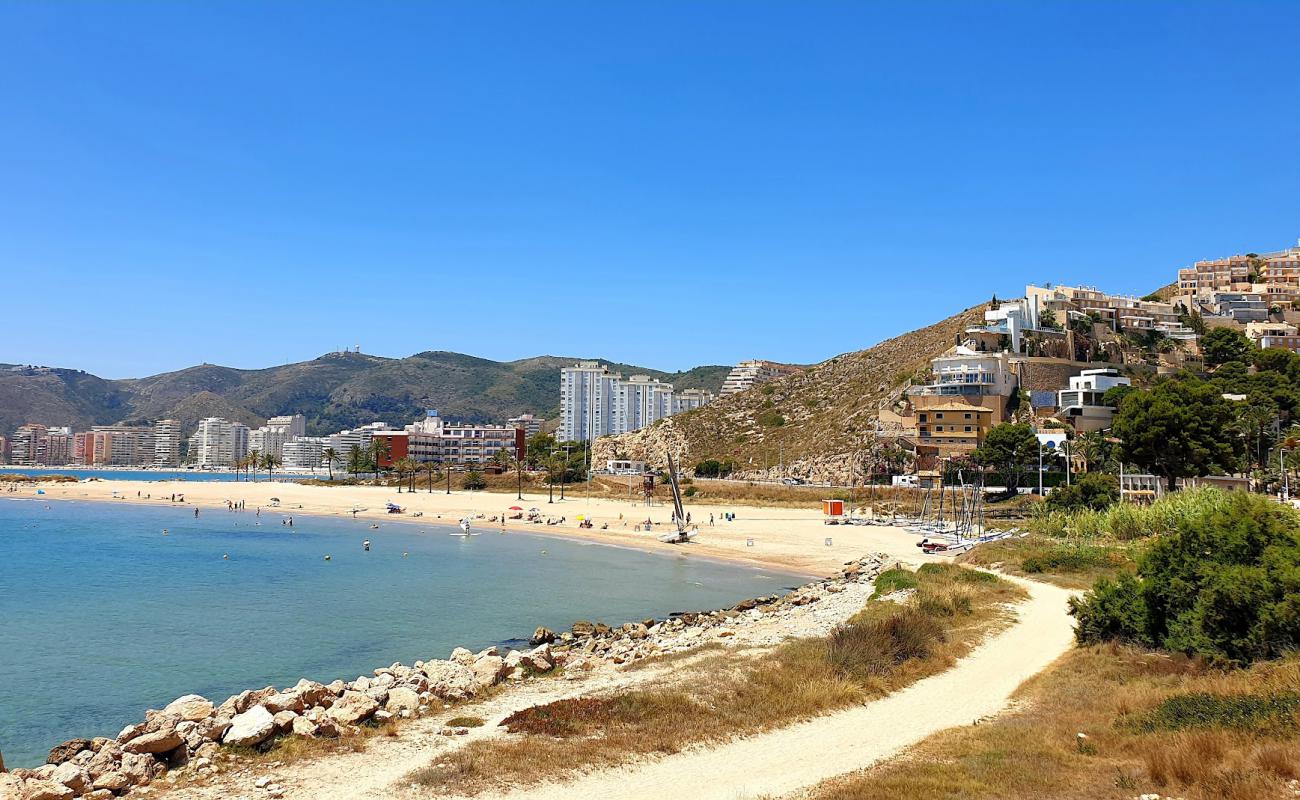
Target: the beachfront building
pixel 748 374
pixel 167 443
pixel 303 452
pixel 596 402
pixel 1081 404
pixel 434 439
pixel 28 445
pixel 218 442
pixel 117 446
pixel 530 424
pixel 360 438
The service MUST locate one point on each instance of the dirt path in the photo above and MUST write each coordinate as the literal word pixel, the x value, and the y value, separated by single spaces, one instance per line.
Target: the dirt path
pixel 795 758
pixel 772 764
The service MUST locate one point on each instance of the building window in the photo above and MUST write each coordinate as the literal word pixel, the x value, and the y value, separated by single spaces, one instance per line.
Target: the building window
pixel 968 429
pixel 967 416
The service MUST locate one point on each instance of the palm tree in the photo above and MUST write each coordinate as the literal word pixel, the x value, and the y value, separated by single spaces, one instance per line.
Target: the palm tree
pixel 431 467
pixel 356 460
pixel 379 450
pixel 403 466
pixel 255 461
pixel 330 455
pixel 270 461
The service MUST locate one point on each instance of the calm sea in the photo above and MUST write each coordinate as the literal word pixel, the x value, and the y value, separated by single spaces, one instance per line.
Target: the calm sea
pixel 102 616
pixel 149 474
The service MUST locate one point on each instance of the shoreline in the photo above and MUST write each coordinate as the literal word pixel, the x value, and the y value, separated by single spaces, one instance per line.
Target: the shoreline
pixel 791 540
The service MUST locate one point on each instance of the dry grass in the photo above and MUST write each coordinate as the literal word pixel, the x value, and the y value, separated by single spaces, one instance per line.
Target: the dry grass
pixel 884 647
pixel 1074 565
pixel 1112 694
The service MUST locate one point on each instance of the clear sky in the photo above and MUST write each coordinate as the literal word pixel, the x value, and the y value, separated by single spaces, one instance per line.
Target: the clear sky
pixel 666 184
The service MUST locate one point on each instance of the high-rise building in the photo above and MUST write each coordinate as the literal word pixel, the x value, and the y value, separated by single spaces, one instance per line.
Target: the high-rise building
pixel 167 442
pixel 218 442
pixel 27 445
pixel 596 402
pixel 343 441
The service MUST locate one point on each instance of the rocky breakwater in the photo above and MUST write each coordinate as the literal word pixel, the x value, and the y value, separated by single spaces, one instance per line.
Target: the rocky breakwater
pixel 192 733
pixel 757 621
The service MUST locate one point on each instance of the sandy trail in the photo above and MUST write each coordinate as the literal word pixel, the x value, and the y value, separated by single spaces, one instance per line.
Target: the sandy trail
pixel 803 755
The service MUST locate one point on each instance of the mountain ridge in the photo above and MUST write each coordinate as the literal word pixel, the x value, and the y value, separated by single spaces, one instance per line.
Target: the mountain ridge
pixel 334 391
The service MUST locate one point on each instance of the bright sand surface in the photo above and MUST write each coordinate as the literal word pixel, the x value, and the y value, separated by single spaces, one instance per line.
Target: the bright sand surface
pixel 791 538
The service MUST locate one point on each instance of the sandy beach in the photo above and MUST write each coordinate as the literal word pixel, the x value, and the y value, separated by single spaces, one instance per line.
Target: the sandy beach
pixel 791 538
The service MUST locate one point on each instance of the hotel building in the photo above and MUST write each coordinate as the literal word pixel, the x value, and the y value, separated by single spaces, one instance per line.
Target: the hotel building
pixel 748 374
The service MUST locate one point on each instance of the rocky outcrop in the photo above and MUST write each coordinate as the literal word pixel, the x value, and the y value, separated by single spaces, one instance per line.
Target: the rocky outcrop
pixel 830 409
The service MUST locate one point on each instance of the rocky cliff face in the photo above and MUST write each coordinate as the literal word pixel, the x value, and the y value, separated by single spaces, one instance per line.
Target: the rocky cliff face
pixel 816 423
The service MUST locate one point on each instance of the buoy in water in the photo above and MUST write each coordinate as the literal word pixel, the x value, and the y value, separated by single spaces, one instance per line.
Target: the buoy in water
pixel 328 557
pixel 404 555
pixel 164 531
pixel 225 556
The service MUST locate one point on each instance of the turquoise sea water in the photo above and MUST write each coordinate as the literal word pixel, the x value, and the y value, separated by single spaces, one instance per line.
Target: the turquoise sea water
pixel 149 474
pixel 102 616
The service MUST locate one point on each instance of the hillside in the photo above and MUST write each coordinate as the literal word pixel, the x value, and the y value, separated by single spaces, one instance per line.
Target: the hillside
pixel 335 391
pixel 827 411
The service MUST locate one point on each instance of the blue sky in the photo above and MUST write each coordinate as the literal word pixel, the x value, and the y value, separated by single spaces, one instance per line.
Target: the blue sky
pixel 661 183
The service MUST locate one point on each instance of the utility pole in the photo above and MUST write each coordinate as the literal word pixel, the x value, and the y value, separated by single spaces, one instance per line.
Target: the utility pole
pixel 564 473
pixel 448 476
pixel 550 476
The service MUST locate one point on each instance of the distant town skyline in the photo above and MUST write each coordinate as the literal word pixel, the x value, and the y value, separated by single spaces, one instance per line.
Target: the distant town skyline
pixel 668 184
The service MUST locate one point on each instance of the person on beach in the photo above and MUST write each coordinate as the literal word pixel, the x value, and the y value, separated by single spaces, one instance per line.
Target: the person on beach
pixel 710 520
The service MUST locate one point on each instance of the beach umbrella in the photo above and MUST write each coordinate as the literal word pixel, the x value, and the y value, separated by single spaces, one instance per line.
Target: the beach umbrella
pixel 516 508
pixel 580 517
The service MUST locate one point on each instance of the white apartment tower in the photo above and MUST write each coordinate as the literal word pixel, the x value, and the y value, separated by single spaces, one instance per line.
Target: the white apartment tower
pixel 218 442
pixel 586 401
pixel 167 442
pixel 595 402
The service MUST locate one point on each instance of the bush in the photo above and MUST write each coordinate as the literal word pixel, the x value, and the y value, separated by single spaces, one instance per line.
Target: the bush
pixel 1225 584
pixel 713 468
pixel 690 491
pixel 474 481
pixel 771 419
pixel 1095 490
pixel 893 580
pixel 872 647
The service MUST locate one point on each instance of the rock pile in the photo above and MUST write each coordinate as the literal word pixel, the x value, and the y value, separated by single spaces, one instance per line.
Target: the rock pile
pixel 192 732
pixel 586 645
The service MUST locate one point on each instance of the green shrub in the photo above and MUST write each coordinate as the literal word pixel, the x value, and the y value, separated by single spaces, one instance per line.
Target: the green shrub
pixel 474 481
pixel 771 419
pixel 690 491
pixel 1094 490
pixel 465 722
pixel 1224 584
pixel 893 580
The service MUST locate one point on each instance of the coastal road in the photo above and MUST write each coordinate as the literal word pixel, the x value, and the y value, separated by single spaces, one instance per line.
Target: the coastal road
pixel 800 756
